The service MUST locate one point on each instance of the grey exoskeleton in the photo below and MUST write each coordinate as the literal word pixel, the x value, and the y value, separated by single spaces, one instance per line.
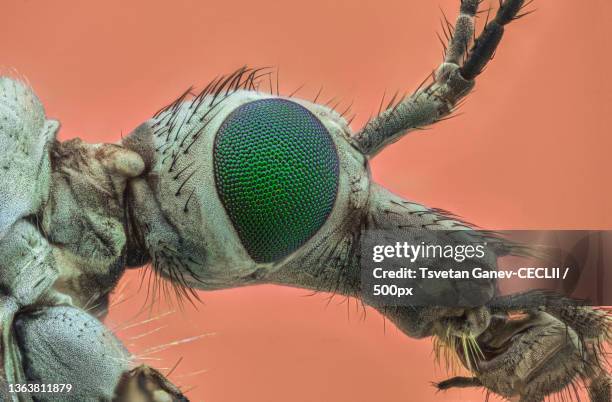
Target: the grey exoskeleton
pixel 230 187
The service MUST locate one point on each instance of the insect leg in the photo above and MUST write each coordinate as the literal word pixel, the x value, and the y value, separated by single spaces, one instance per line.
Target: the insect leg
pixel 66 345
pixel 453 80
pixel 458 382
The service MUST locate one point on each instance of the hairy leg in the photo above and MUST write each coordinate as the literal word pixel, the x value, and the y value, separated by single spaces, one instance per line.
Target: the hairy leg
pixel 453 79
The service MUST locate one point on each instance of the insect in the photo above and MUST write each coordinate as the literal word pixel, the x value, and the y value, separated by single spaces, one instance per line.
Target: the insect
pixel 231 186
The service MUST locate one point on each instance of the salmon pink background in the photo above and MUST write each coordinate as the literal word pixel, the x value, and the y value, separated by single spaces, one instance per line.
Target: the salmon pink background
pixel 531 150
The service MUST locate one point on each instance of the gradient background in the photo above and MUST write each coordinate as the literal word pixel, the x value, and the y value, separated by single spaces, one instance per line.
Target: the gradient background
pixel 530 151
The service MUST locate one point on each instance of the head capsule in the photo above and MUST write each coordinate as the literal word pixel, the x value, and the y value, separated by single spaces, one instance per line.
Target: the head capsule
pixel 242 182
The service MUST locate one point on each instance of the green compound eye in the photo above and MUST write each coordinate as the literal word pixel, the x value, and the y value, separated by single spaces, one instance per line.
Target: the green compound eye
pixel 276 171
